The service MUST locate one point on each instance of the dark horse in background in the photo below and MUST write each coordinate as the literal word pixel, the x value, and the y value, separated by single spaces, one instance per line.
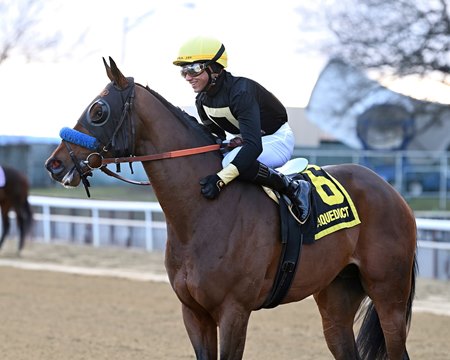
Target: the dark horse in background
pixel 222 256
pixel 14 196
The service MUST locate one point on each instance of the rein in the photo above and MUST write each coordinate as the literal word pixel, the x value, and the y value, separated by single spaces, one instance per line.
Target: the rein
pixel 165 155
pixel 90 161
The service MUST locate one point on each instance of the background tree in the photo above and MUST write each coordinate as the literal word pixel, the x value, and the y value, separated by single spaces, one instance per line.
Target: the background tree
pixel 22 30
pixel 400 37
pixel 389 40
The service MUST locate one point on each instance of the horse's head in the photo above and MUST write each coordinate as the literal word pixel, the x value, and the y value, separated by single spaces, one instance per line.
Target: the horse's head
pixel 105 128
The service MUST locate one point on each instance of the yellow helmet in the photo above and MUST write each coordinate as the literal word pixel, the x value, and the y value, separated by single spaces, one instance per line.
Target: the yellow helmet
pixel 202 49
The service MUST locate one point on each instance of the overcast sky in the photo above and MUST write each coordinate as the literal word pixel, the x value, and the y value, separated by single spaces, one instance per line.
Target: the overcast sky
pixel 143 37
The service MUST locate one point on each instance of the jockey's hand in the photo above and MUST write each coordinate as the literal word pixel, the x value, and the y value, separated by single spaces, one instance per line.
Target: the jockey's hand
pixel 235 142
pixel 211 186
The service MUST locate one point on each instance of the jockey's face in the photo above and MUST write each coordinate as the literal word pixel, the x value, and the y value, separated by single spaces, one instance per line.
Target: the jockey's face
pixel 198 82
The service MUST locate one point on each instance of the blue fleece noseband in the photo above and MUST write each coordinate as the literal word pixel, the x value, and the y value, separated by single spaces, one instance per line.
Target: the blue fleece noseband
pixel 78 138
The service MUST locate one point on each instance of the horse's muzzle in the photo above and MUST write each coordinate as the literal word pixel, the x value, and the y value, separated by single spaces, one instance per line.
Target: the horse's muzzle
pixel 54 166
pixel 59 172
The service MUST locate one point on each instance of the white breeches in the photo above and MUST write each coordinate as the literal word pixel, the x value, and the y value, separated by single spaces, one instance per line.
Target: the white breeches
pixel 277 148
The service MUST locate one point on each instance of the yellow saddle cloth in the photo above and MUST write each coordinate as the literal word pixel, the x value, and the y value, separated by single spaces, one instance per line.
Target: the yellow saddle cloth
pixel 332 207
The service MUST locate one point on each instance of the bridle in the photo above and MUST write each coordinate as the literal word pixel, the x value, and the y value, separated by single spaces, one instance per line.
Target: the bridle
pixel 83 173
pixel 126 129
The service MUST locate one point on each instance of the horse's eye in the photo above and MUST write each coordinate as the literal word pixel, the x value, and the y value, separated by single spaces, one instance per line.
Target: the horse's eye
pixel 98 113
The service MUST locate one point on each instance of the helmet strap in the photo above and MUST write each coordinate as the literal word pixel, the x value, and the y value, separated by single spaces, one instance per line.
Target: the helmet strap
pixel 217 56
pixel 212 78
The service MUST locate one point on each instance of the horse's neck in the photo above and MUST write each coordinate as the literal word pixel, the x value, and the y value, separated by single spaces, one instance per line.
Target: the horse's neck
pixel 175 181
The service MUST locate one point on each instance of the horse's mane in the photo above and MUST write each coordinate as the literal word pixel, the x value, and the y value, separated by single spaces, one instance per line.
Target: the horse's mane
pixel 182 115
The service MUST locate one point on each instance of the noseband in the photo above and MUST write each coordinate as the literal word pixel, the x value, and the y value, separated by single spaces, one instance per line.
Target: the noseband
pixel 83 173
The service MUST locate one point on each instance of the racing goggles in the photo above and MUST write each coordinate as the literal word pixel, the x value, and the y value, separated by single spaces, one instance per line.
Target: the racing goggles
pixel 194 69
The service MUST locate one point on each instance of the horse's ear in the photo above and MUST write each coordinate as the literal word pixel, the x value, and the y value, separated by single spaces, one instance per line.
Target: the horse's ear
pixel 108 70
pixel 120 80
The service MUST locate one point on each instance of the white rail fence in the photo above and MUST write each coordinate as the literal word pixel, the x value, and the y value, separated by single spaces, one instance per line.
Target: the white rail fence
pixel 142 224
pixel 99 222
pixel 433 255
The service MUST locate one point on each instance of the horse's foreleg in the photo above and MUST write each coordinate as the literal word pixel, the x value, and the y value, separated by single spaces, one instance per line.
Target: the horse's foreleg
pixel 338 304
pixel 233 333
pixel 202 331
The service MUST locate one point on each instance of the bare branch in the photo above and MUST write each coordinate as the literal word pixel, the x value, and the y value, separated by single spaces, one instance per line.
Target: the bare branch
pixel 20 34
pixel 399 37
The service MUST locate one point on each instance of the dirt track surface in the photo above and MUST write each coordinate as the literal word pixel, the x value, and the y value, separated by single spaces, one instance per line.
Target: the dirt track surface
pixel 118 312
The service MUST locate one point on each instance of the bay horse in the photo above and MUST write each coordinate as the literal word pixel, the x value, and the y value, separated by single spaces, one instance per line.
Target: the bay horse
pixel 222 255
pixel 14 196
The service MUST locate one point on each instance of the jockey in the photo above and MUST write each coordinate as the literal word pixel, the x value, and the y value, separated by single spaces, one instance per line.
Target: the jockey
pixel 242 107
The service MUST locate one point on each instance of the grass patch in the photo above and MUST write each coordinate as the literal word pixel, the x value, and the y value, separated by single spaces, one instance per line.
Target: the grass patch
pixel 119 193
pixel 427 204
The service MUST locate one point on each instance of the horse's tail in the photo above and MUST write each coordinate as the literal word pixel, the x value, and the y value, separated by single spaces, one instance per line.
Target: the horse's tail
pixel 370 341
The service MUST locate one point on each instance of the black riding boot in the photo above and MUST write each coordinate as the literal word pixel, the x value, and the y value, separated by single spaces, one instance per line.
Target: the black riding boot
pixel 298 191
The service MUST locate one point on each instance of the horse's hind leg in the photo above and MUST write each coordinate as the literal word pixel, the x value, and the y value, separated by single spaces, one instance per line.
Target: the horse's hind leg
pixel 22 230
pixel 392 318
pixel 338 304
pixel 202 331
pixel 391 286
pixel 391 289
pixel 5 223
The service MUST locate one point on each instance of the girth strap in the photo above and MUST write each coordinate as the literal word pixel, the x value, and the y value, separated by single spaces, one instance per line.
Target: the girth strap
pixel 291 240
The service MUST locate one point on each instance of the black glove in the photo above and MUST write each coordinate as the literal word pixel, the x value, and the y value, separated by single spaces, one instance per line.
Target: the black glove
pixel 211 186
